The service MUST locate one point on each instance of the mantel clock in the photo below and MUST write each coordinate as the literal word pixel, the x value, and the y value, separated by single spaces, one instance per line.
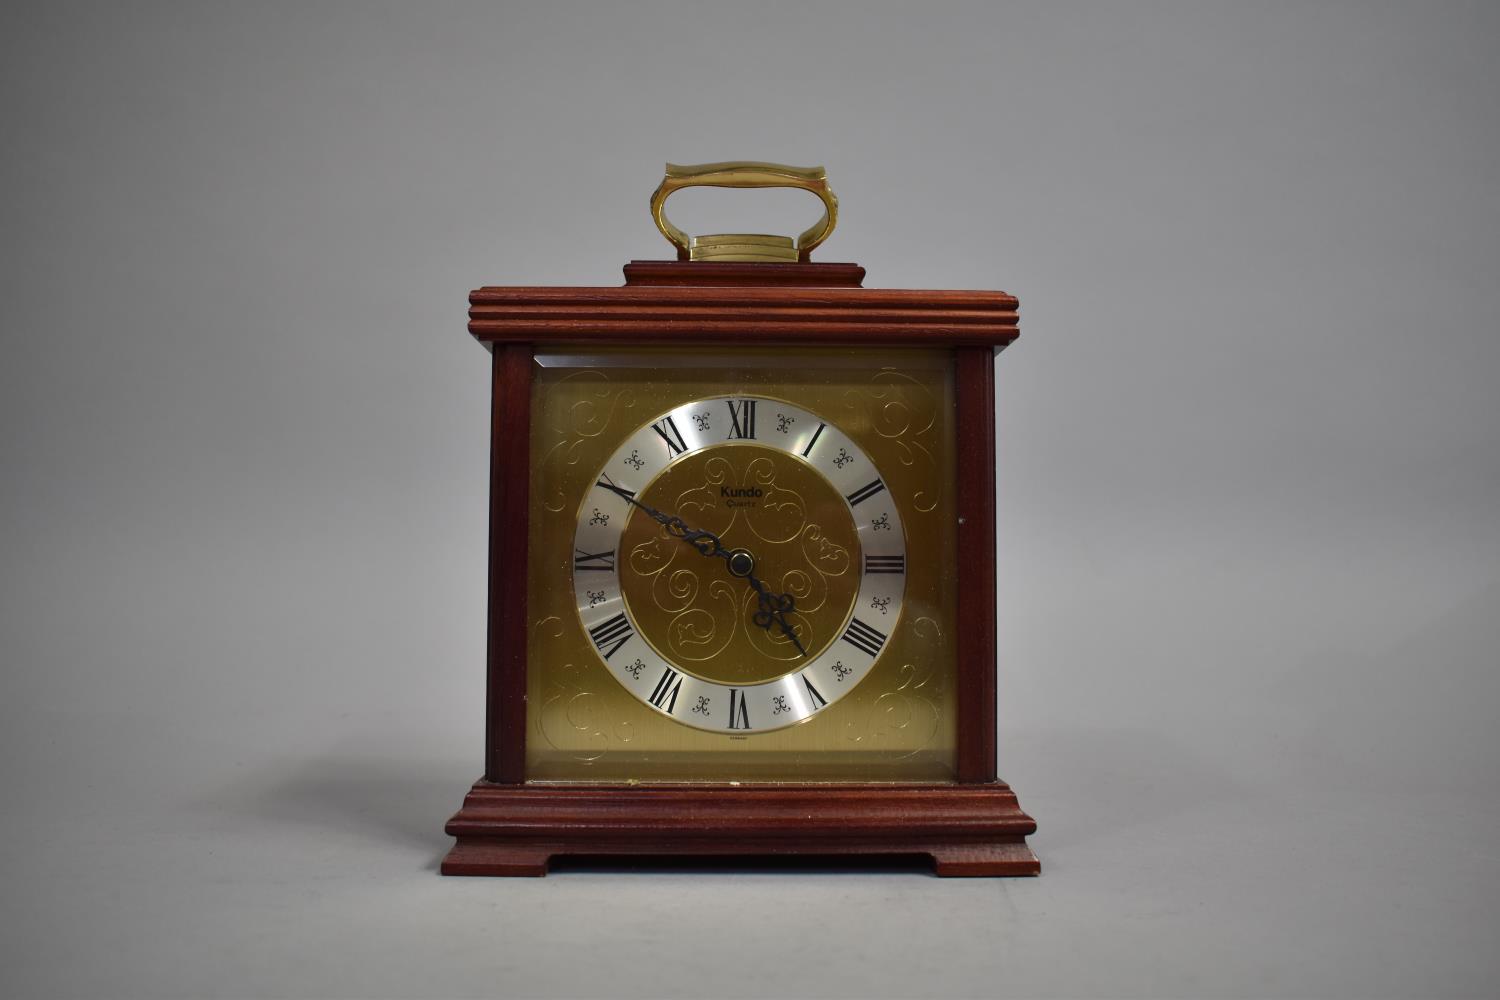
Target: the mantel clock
pixel 742 561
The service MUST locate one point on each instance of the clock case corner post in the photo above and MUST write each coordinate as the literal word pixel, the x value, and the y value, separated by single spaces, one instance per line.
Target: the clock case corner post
pixel 974 389
pixel 510 485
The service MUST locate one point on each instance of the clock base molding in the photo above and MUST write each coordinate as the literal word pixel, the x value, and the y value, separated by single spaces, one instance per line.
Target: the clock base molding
pixel 966 830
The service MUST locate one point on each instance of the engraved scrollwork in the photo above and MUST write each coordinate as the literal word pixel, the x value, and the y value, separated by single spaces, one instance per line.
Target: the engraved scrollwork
pixel 570 430
pixel 909 715
pixel 701 633
pixel 781 512
pixel 826 556
pixel 556 454
pixel 672 589
pixel 572 719
pixel 592 414
pixel 904 412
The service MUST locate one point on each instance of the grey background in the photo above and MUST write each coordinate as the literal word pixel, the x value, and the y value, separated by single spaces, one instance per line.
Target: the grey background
pixel 1249 599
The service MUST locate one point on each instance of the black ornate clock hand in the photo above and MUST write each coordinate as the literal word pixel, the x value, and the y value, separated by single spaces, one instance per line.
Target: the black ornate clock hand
pixel 705 542
pixel 773 607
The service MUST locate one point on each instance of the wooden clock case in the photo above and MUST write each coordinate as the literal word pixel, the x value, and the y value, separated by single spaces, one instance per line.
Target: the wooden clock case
pixel 973 826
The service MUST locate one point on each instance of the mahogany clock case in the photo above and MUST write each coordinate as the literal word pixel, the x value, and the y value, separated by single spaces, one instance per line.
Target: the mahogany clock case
pixel 973 826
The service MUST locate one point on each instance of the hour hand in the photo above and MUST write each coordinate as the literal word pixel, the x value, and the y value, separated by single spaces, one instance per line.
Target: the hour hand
pixel 791 634
pixel 773 611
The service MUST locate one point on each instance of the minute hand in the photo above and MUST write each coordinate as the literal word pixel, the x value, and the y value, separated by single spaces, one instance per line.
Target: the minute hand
pixel 705 542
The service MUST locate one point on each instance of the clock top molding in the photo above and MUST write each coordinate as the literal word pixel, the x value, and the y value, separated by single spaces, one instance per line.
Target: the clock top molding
pixel 701 302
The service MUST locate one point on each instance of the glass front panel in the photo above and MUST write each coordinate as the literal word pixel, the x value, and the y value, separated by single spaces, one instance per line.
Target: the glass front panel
pixel 742 566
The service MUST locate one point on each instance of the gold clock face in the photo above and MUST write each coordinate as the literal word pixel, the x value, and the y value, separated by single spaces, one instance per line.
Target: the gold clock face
pixel 741 567
pixel 739 563
pixel 761 500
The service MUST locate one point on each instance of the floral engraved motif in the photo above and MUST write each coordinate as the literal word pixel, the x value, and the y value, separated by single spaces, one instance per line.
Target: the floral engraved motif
pixel 843 458
pixel 906 413
pixel 596 598
pixel 779 701
pixel 882 523
pixel 880 604
pixel 701 419
pixel 634 459
pixel 570 717
pixel 599 518
pixel 595 406
pixel 702 707
pixel 906 718
pixel 840 671
pixel 784 422
pixel 634 669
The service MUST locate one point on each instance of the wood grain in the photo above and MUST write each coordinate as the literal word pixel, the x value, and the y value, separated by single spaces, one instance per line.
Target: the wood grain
pixel 742 314
pixel 974 387
pixel 516 830
pixel 510 457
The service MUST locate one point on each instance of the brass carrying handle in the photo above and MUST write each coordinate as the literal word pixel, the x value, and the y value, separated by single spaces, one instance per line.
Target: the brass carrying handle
pixel 745 174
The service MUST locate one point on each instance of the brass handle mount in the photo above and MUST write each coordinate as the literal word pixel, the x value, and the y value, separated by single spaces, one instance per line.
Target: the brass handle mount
pixel 745 246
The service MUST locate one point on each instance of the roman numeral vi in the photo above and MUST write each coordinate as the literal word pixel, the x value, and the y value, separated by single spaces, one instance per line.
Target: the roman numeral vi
pixel 739 715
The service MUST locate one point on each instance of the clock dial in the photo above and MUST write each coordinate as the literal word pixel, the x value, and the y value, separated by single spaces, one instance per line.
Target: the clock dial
pixel 739 564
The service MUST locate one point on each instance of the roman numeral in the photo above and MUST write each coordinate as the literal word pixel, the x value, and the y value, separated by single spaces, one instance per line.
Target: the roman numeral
pixel 742 418
pixel 818 700
pixel 619 491
pixel 614 633
pixel 814 440
pixel 594 560
pixel 739 715
pixel 665 692
pixel 864 493
pixel 861 636
pixel 670 434
pixel 885 564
